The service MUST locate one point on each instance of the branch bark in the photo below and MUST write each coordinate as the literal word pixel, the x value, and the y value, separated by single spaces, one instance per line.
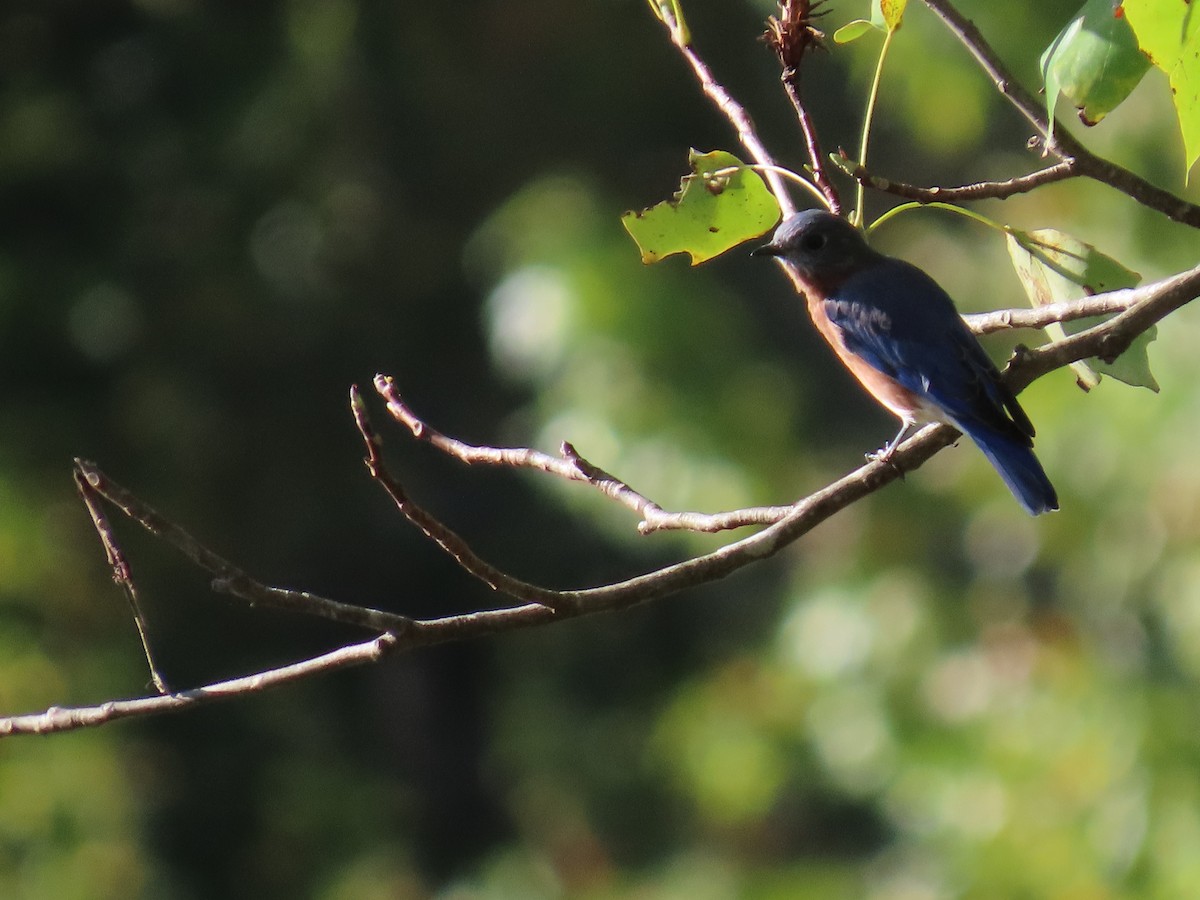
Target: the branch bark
pixel 982 190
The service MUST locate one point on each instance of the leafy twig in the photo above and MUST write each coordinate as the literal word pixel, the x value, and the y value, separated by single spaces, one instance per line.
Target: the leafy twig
pixel 1062 145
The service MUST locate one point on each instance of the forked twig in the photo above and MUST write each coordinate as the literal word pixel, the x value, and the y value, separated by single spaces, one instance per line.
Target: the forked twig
pixel 121 572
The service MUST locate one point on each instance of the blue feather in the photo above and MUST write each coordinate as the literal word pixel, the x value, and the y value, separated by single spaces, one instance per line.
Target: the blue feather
pixel 892 316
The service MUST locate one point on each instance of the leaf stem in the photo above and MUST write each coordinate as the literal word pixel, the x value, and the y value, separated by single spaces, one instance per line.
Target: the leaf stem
pixel 949 207
pixel 860 199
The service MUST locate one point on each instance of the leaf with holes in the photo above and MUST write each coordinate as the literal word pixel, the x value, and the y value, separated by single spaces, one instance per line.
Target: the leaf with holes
pixel 719 205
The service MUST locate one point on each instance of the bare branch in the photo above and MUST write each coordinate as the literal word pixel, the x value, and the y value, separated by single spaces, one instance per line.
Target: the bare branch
pixel 437 532
pixel 228 577
pixel 997 190
pixel 1065 311
pixel 122 574
pixel 571 466
pixel 57 718
pixel 1062 144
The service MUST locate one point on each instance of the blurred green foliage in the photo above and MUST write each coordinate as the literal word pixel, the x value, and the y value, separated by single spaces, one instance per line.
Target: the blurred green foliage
pixel 219 215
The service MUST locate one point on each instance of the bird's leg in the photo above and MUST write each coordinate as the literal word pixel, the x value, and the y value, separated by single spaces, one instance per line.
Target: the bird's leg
pixel 889 449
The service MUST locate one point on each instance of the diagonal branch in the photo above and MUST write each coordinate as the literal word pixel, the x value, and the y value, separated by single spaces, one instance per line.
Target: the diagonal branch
pixel 792 34
pixel 733 111
pixel 228 578
pixel 433 528
pixel 1108 340
pixel 1062 144
pixel 122 574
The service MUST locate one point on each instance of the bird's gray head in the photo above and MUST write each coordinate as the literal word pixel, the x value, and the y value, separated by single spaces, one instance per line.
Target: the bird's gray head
pixel 821 245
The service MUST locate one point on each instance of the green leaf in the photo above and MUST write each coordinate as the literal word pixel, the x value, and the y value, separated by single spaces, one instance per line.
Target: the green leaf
pixel 852 31
pixel 1169 33
pixel 720 205
pixel 1055 267
pixel 892 12
pixel 1095 62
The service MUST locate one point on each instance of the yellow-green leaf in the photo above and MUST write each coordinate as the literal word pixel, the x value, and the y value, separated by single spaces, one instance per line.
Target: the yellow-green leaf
pixel 1055 267
pixel 852 31
pixel 719 205
pixel 1169 33
pixel 893 12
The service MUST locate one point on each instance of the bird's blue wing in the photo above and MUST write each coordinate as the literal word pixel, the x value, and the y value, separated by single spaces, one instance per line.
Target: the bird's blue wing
pixel 901 322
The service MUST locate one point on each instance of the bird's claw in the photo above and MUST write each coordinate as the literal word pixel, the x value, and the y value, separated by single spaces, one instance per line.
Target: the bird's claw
pixel 884 456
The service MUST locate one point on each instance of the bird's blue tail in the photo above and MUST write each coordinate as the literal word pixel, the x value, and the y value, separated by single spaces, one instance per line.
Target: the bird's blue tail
pixel 1013 458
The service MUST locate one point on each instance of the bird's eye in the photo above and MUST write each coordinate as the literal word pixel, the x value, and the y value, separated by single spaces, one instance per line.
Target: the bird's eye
pixel 815 240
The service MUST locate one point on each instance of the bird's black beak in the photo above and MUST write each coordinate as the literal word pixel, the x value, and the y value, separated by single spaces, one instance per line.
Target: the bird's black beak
pixel 766 250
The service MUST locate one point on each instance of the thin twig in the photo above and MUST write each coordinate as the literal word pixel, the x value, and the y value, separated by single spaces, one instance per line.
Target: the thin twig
pixel 122 574
pixel 1062 144
pixel 571 466
pixel 996 190
pixel 228 578
pixel 434 529
pixel 733 111
pixel 792 35
pixel 813 144
pixel 58 718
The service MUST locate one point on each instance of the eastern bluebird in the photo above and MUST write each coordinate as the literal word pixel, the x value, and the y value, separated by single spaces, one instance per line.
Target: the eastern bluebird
pixel 900 335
